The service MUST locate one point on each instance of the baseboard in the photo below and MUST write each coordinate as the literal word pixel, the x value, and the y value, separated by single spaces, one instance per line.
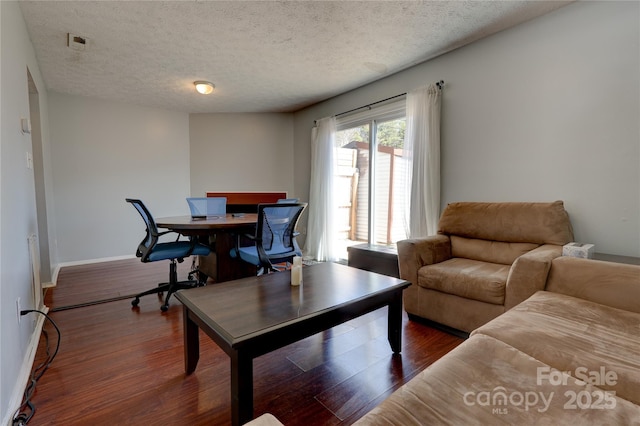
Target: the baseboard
pixel 54 275
pixel 25 369
pixel 99 260
pixel 56 268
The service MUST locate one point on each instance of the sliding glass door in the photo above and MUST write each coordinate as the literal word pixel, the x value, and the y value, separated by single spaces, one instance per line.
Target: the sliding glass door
pixel 370 178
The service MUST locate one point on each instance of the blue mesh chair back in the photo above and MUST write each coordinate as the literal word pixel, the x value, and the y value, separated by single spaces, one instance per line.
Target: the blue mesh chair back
pixel 291 201
pixel 275 235
pixel 150 240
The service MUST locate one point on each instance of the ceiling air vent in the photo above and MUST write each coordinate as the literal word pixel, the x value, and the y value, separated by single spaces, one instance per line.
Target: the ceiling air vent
pixel 76 42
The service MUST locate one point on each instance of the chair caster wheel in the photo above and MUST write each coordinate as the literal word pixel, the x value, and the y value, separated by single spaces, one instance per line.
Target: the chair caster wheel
pixel 164 308
pixel 135 302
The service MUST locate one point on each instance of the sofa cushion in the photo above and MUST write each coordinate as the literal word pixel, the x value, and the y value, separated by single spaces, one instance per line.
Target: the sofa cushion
pixel 568 333
pixel 487 382
pixel 467 278
pixel 541 223
pixel 489 251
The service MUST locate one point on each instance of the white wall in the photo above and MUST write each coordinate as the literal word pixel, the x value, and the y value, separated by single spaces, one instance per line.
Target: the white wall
pixel 241 152
pixel 17 199
pixel 544 111
pixel 104 152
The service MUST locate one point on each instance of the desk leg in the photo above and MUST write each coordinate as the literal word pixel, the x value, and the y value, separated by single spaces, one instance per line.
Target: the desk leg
pixel 241 388
pixel 191 342
pixel 395 322
pixel 230 268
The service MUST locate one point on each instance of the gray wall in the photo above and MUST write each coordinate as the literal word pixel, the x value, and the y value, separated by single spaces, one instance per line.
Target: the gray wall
pixel 103 152
pixel 241 152
pixel 18 217
pixel 544 111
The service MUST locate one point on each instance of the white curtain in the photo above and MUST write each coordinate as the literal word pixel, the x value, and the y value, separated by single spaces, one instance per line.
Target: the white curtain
pixel 320 242
pixel 422 152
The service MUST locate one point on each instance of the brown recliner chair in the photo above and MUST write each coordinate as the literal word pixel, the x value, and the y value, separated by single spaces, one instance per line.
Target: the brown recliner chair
pixel 485 259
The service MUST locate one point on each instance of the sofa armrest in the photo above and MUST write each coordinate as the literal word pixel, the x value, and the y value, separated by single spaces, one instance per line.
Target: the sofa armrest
pixel 528 274
pixel 608 283
pixel 415 253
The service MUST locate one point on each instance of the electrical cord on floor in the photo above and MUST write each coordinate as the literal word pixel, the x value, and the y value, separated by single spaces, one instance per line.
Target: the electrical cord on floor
pixel 27 409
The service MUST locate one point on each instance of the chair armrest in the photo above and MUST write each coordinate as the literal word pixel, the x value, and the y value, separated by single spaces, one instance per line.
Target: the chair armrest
pixel 160 234
pixel 415 253
pixel 528 274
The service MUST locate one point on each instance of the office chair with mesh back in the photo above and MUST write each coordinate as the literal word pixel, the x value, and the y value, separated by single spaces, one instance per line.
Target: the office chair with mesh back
pixel 295 242
pixel 151 250
pixel 274 239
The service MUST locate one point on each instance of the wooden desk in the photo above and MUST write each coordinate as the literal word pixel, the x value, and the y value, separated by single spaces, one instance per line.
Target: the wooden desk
pixel 253 316
pixel 225 229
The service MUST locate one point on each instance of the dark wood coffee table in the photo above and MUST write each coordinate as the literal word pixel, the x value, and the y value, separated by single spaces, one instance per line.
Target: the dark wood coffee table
pixel 252 316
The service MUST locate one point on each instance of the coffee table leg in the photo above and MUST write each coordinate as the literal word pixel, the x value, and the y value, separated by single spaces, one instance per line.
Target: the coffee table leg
pixel 241 388
pixel 191 342
pixel 395 322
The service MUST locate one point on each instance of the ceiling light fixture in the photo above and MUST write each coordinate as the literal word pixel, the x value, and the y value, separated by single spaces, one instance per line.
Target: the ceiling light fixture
pixel 204 87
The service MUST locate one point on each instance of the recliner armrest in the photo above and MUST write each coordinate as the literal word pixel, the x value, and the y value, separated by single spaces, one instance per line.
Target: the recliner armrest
pixel 414 253
pixel 528 274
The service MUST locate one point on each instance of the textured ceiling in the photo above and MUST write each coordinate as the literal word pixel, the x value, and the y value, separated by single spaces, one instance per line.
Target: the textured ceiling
pixel 261 55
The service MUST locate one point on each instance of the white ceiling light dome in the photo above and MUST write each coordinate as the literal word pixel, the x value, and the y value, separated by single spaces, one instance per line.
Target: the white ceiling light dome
pixel 204 87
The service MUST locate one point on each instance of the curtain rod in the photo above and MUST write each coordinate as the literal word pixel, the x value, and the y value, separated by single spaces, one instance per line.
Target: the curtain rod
pixel 440 84
pixel 370 105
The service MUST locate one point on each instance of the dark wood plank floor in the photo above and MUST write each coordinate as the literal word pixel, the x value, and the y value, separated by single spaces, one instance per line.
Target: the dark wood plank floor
pixel 120 366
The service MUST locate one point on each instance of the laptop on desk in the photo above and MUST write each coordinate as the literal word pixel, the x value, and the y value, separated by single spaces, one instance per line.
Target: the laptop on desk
pixel 203 207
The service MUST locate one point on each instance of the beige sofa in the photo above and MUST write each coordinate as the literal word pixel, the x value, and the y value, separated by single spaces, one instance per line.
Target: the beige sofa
pixel 485 259
pixel 566 355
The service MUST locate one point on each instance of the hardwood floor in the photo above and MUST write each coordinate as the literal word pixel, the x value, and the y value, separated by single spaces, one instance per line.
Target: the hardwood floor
pixel 120 366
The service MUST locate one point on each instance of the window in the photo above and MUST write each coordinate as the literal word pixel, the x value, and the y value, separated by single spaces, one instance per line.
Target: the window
pixel 370 177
